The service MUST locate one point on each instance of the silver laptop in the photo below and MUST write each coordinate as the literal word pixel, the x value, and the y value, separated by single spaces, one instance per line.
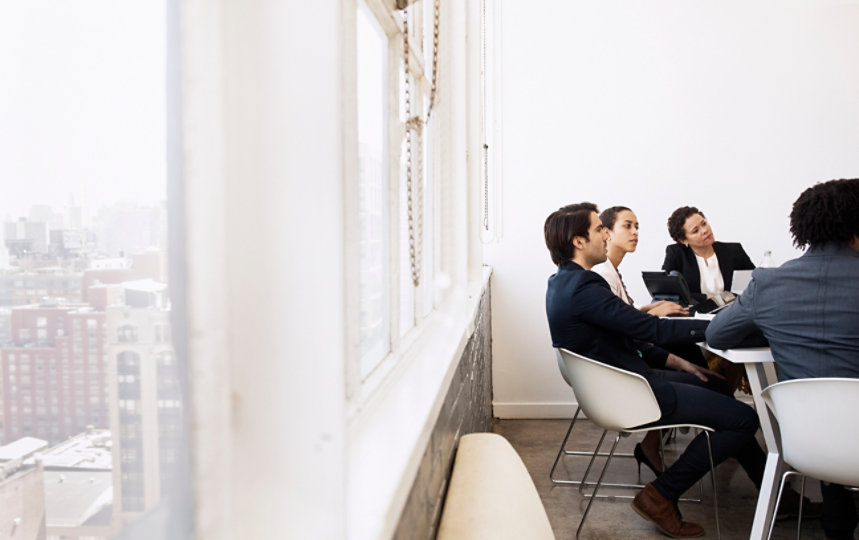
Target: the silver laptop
pixel 740 281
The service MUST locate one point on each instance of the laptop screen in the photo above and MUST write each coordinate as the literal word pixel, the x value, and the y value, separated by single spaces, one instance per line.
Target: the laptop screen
pixel 740 281
pixel 664 286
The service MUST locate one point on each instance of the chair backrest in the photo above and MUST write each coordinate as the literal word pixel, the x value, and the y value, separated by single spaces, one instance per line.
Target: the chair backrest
pixel 612 398
pixel 819 435
pixel 562 365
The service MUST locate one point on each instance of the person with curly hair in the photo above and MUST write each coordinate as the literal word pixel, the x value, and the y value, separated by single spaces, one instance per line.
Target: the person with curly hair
pixel 808 309
pixel 707 265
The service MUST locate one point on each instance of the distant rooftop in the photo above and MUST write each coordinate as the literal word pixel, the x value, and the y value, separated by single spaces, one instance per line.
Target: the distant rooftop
pixel 53 302
pixel 113 263
pixel 21 448
pixel 145 285
pixel 73 497
pixel 88 451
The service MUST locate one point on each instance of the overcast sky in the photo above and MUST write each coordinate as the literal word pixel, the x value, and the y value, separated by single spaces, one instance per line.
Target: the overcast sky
pixel 81 102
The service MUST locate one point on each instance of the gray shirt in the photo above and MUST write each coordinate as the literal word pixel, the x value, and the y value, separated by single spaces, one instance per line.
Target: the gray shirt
pixel 808 309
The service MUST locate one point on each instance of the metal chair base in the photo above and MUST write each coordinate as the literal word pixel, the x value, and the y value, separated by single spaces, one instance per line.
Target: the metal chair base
pixel 581 453
pixel 605 468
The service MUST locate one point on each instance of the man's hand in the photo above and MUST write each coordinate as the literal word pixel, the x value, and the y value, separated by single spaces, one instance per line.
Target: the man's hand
pixel 664 308
pixel 680 364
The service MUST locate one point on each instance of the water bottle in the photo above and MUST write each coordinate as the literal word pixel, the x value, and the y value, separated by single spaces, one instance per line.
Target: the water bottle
pixel 767 261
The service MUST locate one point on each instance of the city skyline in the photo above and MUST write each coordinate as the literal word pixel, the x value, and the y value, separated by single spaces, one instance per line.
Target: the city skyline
pixel 85 338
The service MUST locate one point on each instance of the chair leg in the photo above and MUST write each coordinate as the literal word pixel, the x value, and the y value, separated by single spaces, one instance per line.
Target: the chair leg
pixel 563 451
pixel 778 501
pixel 599 481
pixel 584 482
pixel 799 516
pixel 701 482
pixel 669 435
pixel 715 493
pixel 661 451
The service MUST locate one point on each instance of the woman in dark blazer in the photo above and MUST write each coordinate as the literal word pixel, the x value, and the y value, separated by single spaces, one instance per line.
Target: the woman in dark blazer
pixel 696 248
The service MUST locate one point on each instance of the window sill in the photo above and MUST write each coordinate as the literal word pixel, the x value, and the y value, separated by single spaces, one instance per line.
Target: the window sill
pixel 388 435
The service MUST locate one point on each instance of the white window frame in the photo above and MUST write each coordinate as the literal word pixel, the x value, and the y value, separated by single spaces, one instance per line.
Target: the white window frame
pixel 287 444
pixel 359 388
pixel 391 413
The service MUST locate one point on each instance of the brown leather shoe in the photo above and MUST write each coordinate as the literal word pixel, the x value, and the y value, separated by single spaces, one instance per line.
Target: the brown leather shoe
pixel 789 506
pixel 652 506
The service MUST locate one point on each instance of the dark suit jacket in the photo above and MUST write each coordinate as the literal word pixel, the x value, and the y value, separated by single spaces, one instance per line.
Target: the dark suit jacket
pixel 587 318
pixel 731 257
pixel 807 308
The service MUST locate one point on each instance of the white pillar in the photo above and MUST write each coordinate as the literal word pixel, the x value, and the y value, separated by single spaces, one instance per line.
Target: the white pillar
pixel 263 177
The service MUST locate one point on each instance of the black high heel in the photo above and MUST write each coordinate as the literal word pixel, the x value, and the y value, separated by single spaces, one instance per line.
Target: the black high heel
pixel 640 458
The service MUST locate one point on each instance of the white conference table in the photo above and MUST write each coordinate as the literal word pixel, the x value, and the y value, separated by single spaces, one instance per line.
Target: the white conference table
pixel 760 369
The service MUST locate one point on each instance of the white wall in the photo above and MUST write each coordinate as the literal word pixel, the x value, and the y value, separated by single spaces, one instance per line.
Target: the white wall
pixel 734 107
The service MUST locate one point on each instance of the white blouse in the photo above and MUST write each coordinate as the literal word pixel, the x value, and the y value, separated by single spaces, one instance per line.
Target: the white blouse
pixel 712 282
pixel 612 276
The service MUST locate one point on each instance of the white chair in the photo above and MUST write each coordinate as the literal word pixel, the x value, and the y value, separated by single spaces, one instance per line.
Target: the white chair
pixel 620 401
pixel 816 440
pixel 563 451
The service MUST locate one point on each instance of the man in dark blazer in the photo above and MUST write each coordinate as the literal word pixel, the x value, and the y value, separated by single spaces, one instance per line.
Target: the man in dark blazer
pixel 681 256
pixel 808 309
pixel 586 317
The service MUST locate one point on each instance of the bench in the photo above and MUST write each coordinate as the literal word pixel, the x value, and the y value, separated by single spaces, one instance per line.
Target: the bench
pixel 491 495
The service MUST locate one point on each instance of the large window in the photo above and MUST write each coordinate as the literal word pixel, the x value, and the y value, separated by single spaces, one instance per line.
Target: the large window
pixel 396 188
pixel 84 239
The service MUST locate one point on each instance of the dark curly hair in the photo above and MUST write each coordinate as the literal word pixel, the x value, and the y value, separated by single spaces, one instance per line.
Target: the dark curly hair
pixel 609 215
pixel 826 212
pixel 563 225
pixel 678 218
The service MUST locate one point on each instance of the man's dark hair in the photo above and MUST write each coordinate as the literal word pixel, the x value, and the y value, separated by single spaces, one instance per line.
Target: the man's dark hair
pixel 826 212
pixel 563 225
pixel 609 216
pixel 678 218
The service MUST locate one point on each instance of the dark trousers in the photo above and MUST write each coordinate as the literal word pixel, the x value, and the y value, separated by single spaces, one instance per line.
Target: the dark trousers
pixel 735 424
pixel 839 512
pixel 712 383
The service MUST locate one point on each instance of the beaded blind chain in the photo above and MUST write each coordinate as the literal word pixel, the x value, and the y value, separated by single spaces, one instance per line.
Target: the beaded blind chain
pixel 414 134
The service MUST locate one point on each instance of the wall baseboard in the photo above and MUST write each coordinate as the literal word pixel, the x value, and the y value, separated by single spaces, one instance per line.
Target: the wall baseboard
pixel 519 410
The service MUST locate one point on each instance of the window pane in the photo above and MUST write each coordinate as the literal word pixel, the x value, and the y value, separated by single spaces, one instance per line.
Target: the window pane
pixel 373 190
pixel 83 272
pixel 428 36
pixel 428 259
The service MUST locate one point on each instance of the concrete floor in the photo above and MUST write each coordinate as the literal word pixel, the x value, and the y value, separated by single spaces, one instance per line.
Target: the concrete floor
pixel 537 442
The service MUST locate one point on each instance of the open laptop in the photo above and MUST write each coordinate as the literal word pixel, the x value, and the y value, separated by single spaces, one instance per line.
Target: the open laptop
pixel 740 281
pixel 672 286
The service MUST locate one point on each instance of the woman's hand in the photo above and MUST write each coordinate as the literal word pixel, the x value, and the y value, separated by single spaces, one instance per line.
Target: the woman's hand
pixel 680 364
pixel 664 308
